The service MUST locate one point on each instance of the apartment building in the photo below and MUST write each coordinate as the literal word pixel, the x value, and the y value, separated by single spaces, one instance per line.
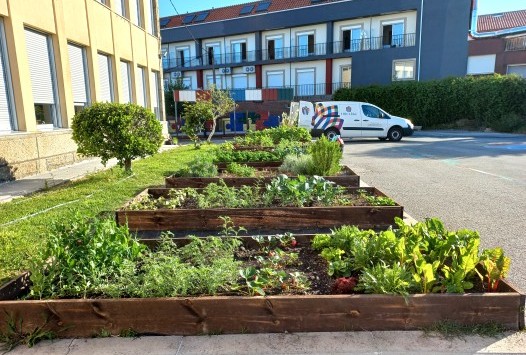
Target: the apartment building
pixel 497 43
pixel 59 56
pixel 314 47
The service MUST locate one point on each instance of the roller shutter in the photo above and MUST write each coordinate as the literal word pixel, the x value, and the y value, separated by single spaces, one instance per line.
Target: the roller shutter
pixel 125 77
pixel 5 116
pixel 79 82
pixel 141 93
pixel 40 67
pixel 106 92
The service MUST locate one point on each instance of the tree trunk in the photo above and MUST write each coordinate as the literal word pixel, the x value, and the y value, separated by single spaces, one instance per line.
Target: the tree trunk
pixel 127 165
pixel 214 123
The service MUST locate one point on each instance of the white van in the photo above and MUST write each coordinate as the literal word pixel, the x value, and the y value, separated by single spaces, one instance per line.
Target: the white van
pixel 350 119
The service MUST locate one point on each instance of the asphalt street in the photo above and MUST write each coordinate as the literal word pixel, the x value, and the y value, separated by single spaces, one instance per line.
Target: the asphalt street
pixel 468 180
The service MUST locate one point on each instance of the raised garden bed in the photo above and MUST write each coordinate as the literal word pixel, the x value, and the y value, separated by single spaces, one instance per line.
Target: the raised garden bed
pixel 273 218
pixel 347 178
pixel 254 164
pixel 261 314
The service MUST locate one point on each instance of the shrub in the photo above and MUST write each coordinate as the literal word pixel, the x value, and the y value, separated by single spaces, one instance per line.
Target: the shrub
pixel 122 131
pixel 277 134
pixel 199 167
pixel 297 164
pixel 326 156
pixel 493 101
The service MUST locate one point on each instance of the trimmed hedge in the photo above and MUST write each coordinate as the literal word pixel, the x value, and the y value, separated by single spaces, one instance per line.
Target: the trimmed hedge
pixel 496 101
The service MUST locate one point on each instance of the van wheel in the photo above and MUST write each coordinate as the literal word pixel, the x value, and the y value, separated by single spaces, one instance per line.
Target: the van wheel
pixel 382 138
pixel 394 134
pixel 331 133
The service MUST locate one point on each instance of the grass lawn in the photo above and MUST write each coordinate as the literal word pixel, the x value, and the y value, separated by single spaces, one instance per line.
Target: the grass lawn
pixel 25 222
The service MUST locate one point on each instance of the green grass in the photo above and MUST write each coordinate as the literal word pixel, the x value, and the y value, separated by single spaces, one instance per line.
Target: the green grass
pixel 21 238
pixel 450 330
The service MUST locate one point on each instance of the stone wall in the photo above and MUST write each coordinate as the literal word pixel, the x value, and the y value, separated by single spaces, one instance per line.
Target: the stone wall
pixel 23 154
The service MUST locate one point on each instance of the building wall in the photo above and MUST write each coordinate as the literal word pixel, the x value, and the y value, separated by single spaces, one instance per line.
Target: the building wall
pixel 497 47
pixel 87 23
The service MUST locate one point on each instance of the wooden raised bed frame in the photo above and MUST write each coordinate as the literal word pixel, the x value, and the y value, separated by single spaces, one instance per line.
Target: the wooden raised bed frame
pixel 347 179
pixel 270 314
pixel 274 218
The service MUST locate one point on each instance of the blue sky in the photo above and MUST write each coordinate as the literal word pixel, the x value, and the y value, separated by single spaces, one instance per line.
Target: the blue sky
pixel 184 6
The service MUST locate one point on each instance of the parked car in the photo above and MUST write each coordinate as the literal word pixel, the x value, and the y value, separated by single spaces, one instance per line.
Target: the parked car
pixel 350 119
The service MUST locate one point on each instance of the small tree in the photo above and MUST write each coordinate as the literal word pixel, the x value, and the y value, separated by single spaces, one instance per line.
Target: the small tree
pixel 196 114
pixel 222 104
pixel 122 131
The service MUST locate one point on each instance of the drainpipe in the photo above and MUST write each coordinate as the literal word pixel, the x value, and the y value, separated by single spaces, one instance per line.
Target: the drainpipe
pixel 420 40
pixel 475 34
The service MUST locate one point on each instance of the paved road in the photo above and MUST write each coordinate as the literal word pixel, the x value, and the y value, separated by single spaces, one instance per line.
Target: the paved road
pixel 469 180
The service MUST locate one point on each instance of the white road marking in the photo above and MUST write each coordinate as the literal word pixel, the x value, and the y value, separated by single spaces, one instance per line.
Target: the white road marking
pixel 486 173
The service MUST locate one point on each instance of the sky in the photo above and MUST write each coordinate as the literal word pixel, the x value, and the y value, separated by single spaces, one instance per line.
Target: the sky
pixel 184 6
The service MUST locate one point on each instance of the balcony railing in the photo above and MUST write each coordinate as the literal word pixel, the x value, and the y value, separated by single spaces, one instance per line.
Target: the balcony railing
pixel 364 44
pixel 516 44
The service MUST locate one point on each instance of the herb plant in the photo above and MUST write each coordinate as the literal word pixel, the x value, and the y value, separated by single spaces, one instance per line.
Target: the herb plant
pixel 201 166
pixel 326 157
pixel 241 170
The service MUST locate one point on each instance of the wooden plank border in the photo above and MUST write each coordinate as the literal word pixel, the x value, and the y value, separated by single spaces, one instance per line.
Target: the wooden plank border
pixel 272 314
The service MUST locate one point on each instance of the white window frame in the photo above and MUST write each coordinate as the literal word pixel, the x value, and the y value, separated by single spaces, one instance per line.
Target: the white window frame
pixel 129 99
pixel 275 73
pixel 274 38
pixel 345 84
pixel 141 71
pixel 55 107
pixel 235 76
pixel 305 33
pixel 154 91
pixel 351 28
pixel 305 70
pixel 240 42
pixel 210 81
pixel 409 60
pixel 216 55
pixel 7 77
pixel 403 21
pixel 110 75
pixel 186 59
pixel 138 13
pixel 187 81
pixel 515 65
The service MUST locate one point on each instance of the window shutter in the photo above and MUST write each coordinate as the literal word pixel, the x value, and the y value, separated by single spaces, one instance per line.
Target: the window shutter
pixel 141 93
pixel 125 78
pixel 5 117
pixel 40 67
pixel 154 85
pixel 106 93
pixel 78 74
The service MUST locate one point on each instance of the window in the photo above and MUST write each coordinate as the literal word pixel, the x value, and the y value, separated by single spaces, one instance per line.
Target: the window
pixel 79 76
pixel 246 9
pixel 351 39
pixel 404 69
pixel 7 112
pixel 182 57
pixel 519 69
pixel 275 79
pixel 210 81
pixel 188 19
pixel 126 82
pixel 346 76
pixel 103 2
pixel 239 81
pixel 152 29
pixel 305 44
pixel 154 89
pixel 481 64
pixel 262 6
pixel 43 77
pixel 305 85
pixel 138 13
pixel 275 47
pixel 105 78
pixel 239 51
pixel 371 111
pixel 201 17
pixel 187 82
pixel 120 7
pixel 141 86
pixel 393 34
pixel 213 51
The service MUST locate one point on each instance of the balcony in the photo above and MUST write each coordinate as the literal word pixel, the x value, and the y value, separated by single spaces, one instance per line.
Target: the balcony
pixel 295 52
pixel 516 44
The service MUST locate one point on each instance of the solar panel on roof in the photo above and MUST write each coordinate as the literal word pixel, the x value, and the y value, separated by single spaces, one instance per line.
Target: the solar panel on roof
pixel 262 6
pixel 201 16
pixel 188 18
pixel 164 21
pixel 246 9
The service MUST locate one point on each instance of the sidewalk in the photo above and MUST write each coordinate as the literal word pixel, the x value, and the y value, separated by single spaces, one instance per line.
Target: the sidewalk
pixel 389 342
pixel 30 184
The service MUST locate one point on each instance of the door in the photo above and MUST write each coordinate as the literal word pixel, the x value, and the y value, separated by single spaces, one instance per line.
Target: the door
pixel 352 119
pixel 374 121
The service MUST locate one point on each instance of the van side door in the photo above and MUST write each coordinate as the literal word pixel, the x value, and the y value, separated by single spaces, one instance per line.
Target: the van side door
pixel 352 119
pixel 375 122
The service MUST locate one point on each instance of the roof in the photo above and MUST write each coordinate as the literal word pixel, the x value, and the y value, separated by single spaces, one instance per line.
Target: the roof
pixel 233 11
pixel 501 21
